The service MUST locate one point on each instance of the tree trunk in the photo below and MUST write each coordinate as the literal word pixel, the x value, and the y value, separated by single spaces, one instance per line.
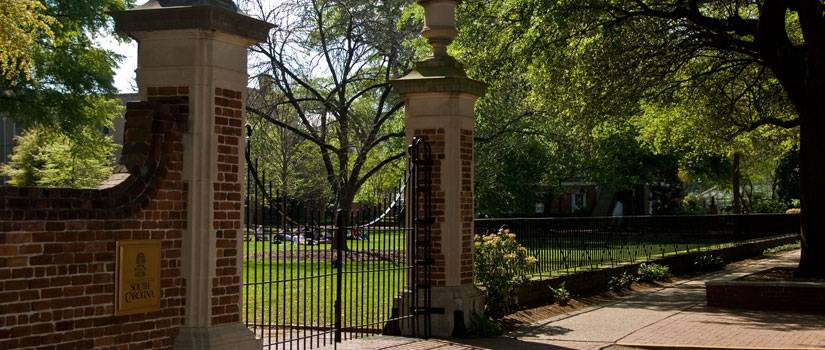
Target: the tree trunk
pixel 737 185
pixel 345 200
pixel 812 142
pixel 812 176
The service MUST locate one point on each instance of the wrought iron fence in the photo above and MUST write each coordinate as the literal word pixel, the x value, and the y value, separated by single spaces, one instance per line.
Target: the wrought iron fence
pixel 316 277
pixel 569 245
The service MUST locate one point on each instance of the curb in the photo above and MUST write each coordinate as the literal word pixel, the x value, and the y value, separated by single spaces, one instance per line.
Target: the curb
pixel 698 347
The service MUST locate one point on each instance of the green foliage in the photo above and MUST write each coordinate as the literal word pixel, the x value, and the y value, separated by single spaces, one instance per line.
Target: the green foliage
pixel 653 272
pixel 52 159
pixel 787 181
pixel 511 175
pixel 760 204
pixel 22 24
pixel 782 248
pixel 621 282
pixel 628 111
pixel 560 294
pixel 482 326
pixel 620 161
pixel 71 82
pixel 501 267
pixel 709 262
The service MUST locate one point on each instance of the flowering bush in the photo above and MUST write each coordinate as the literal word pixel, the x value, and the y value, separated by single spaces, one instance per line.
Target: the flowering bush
pixel 501 266
pixel 653 272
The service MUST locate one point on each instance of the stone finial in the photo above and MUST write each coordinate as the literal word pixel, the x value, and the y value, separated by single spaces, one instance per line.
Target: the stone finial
pixel 439 24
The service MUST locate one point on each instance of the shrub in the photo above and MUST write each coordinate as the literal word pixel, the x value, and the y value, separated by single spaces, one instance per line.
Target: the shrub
pixel 781 248
pixel 768 205
pixel 484 327
pixel 708 262
pixel 560 294
pixel 653 272
pixel 501 267
pixel 621 282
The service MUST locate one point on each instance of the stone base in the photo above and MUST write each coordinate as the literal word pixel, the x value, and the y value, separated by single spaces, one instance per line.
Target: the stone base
pixel 234 336
pixel 806 297
pixel 453 307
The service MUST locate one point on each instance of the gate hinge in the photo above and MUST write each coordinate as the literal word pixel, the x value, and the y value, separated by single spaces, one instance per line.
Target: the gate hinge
pixel 423 243
pixel 427 310
pixel 425 221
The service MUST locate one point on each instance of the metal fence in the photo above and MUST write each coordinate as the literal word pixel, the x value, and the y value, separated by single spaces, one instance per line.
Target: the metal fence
pixel 569 245
pixel 313 278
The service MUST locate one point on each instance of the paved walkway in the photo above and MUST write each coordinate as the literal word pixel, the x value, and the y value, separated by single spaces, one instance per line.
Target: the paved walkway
pixel 671 317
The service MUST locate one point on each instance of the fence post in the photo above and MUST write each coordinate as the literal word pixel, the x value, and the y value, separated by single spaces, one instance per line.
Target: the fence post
pixel 340 241
pixel 440 102
pixel 197 50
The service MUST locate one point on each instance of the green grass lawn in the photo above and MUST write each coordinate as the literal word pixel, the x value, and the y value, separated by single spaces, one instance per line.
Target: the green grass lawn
pixel 304 292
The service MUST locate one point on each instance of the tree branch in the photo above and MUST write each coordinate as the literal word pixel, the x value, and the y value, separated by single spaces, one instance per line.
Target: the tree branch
pixel 291 128
pixel 378 167
pixel 782 123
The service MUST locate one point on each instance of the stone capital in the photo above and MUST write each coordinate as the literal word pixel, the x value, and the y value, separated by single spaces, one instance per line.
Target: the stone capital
pixel 211 18
pixel 417 83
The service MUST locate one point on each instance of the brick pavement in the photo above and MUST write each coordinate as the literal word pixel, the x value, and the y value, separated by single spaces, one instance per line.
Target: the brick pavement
pixel 673 317
pixel 713 327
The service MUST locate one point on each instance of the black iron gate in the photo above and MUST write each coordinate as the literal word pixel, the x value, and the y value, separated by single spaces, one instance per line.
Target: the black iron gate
pixel 314 277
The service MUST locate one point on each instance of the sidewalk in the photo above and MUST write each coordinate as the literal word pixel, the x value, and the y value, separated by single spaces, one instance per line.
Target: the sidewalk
pixel 671 317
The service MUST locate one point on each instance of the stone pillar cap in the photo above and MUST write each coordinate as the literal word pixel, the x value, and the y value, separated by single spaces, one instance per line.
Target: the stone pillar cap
pixel 224 4
pixel 215 15
pixel 422 2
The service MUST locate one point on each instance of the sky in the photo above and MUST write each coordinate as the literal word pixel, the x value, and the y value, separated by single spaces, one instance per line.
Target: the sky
pixel 125 72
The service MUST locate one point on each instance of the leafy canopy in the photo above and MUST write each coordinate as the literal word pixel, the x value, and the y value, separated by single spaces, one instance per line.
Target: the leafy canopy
pixel 618 87
pixel 22 23
pixel 62 81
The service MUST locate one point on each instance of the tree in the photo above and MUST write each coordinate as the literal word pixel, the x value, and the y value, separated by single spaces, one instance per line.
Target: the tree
pixel 286 158
pixel 331 63
pixel 47 158
pixel 22 24
pixel 759 43
pixel 61 80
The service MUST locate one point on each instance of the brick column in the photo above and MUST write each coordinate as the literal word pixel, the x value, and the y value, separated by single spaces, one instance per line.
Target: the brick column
pixel 440 102
pixel 200 52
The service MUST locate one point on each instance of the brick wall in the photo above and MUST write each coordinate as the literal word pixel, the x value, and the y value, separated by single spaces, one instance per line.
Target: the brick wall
pixel 57 246
pixel 227 206
pixel 435 137
pixel 467 215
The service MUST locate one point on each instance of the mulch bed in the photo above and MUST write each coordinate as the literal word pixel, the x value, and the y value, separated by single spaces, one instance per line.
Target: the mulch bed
pixel 778 274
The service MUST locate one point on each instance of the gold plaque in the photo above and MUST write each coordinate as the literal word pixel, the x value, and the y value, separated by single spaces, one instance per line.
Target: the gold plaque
pixel 137 280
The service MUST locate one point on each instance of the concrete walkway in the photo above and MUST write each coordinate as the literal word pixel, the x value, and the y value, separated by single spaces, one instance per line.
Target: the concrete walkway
pixel 671 317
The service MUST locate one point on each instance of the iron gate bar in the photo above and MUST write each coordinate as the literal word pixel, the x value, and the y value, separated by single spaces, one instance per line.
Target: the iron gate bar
pixel 300 293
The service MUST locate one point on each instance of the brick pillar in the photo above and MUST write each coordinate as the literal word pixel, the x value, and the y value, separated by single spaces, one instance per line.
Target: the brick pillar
pixel 200 52
pixel 440 102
